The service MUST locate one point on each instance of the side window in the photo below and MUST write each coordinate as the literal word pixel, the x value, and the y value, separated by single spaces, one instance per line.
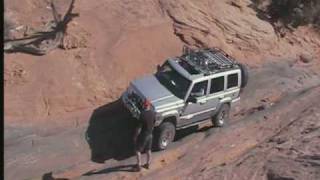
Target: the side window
pixel 199 89
pixel 217 84
pixel 232 80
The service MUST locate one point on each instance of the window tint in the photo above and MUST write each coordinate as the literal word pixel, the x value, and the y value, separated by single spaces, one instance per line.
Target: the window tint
pixel 173 81
pixel 232 80
pixel 217 84
pixel 199 89
pixel 188 67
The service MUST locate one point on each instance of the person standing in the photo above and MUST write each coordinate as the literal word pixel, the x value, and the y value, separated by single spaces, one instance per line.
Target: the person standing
pixel 143 135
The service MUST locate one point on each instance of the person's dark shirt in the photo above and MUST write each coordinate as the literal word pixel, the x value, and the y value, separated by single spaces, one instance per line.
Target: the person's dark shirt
pixel 146 121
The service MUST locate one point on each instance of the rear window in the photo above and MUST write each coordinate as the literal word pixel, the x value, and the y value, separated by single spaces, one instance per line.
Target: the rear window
pixel 217 84
pixel 232 80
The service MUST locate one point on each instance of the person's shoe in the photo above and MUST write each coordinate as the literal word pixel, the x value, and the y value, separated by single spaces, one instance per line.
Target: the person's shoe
pixel 137 168
pixel 147 165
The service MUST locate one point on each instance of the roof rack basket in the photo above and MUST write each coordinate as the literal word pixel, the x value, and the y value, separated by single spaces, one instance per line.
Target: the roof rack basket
pixel 209 61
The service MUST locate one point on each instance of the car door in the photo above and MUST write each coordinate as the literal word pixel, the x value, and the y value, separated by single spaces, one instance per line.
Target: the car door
pixel 216 92
pixel 196 108
pixel 233 85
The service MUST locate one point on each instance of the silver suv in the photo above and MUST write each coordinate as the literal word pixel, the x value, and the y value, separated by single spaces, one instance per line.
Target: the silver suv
pixel 187 90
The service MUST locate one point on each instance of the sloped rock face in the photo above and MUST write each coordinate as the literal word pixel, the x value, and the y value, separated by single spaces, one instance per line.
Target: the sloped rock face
pixel 220 23
pixel 292 153
pixel 108 45
pixel 112 42
pixel 233 26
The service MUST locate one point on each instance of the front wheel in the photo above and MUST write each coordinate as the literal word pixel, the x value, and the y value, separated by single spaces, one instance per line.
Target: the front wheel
pixel 164 135
pixel 221 118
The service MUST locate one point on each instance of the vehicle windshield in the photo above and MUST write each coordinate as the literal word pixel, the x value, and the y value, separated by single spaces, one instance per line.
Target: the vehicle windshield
pixel 173 81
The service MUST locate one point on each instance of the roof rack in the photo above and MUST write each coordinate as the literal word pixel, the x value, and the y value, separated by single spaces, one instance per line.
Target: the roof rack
pixel 208 61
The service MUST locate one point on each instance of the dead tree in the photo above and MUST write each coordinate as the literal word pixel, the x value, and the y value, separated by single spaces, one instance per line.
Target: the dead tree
pixel 41 43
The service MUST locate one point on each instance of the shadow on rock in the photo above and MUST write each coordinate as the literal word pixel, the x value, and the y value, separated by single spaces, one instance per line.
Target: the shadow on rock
pixel 121 168
pixel 180 134
pixel 48 176
pixel 109 133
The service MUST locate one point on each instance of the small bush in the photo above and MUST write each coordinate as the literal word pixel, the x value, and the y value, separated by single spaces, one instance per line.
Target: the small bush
pixel 295 12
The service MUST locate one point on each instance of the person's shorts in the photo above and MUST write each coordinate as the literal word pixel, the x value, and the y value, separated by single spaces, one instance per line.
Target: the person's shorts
pixel 144 143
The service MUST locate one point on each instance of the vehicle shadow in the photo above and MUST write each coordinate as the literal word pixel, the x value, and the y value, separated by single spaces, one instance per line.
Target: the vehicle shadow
pixel 121 168
pixel 109 133
pixel 180 134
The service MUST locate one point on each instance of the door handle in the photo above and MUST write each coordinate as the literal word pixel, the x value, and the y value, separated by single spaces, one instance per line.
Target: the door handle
pixel 202 102
pixel 221 97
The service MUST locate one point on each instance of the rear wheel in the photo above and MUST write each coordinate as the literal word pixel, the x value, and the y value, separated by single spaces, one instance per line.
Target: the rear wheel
pixel 222 117
pixel 164 135
pixel 244 75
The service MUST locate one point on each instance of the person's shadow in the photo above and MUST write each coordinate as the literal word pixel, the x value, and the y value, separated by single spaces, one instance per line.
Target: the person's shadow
pixel 109 133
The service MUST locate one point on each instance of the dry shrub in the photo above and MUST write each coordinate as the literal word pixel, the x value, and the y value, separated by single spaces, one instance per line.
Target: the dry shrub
pixel 295 13
pixel 289 13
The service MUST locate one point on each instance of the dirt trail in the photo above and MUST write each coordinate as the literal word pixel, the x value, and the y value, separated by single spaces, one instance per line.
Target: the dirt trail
pixel 276 95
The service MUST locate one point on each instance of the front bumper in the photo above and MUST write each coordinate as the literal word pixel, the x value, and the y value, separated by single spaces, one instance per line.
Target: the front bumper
pixel 131 106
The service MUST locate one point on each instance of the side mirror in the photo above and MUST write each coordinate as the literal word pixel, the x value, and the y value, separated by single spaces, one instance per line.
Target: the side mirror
pixel 199 93
pixel 192 99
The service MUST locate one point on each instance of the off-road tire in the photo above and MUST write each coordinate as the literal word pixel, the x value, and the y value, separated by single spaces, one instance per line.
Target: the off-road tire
pixel 222 117
pixel 244 75
pixel 164 135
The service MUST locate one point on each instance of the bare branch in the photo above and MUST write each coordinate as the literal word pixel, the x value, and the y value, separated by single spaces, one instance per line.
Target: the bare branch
pixel 41 43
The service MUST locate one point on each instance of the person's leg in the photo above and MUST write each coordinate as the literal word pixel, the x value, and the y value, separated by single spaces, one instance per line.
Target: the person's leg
pixel 138 158
pixel 148 151
pixel 148 158
pixel 138 150
pixel 138 165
